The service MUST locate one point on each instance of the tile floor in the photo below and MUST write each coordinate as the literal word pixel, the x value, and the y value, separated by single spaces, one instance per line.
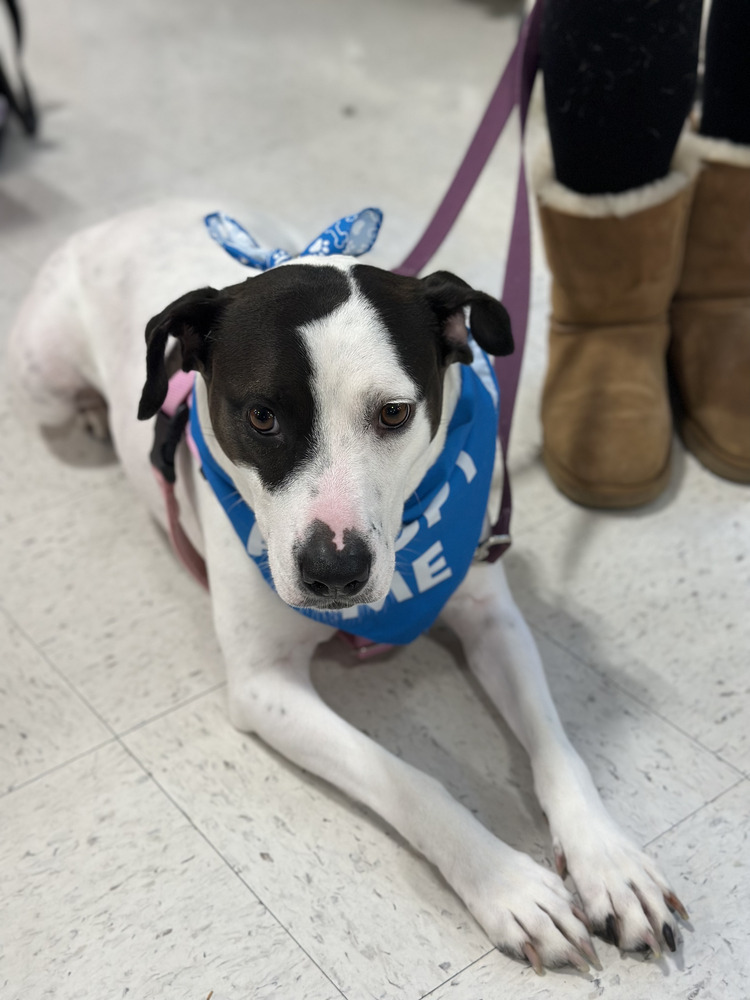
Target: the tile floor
pixel 146 849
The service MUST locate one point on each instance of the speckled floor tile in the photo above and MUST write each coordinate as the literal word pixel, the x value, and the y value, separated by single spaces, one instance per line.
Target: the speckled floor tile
pixel 106 891
pixel 127 571
pixel 43 723
pixel 33 479
pixel 124 163
pixel 657 600
pixel 148 133
pixel 161 661
pixel 135 640
pixel 425 708
pixel 372 914
pixel 422 707
pixel 255 76
pixel 708 854
pixel 36 215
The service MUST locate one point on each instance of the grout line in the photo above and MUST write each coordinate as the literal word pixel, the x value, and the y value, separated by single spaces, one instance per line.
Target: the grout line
pixel 172 708
pixel 709 802
pixel 56 670
pixel 115 736
pixel 117 739
pixel 609 680
pixel 459 973
pixel 219 854
pixel 57 767
pixel 76 693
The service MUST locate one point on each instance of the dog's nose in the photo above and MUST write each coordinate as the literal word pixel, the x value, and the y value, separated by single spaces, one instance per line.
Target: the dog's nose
pixel 330 572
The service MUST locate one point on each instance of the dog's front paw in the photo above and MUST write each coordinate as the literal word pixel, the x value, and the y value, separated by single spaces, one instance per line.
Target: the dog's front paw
pixel 527 911
pixel 627 899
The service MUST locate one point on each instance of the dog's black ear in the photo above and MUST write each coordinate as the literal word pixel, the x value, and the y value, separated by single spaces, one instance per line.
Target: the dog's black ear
pixel 488 318
pixel 189 319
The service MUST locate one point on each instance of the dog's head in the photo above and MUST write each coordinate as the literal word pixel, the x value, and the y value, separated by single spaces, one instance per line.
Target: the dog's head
pixel 325 392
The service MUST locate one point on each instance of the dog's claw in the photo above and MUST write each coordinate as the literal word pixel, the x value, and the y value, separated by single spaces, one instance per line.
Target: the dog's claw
pixel 674 904
pixel 561 864
pixel 534 960
pixel 669 937
pixel 577 962
pixel 588 950
pixel 653 944
pixel 577 912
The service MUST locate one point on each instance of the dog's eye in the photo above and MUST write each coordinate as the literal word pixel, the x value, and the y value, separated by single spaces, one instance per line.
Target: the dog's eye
pixel 394 415
pixel 263 420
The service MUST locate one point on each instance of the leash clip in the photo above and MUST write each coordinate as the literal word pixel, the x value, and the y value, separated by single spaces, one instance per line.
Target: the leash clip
pixel 484 549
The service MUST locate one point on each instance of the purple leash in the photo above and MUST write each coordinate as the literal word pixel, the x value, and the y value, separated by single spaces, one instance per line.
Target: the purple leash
pixel 513 90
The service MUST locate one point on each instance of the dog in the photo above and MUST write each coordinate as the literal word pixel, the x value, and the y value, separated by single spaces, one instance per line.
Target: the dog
pixel 325 389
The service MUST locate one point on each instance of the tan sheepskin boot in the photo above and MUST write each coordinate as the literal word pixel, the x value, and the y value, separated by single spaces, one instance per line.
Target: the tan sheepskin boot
pixel 709 355
pixel 615 262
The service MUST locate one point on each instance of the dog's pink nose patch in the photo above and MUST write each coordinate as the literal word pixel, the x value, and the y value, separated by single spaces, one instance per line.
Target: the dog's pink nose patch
pixel 334 504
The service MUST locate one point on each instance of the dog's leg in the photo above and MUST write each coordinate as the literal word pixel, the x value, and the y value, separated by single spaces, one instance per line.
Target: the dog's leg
pixel 268 648
pixel 52 375
pixel 626 897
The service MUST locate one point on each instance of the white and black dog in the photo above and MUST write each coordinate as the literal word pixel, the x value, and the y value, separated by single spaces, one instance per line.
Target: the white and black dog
pixel 325 391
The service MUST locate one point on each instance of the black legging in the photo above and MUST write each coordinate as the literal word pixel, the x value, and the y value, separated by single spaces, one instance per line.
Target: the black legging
pixel 619 82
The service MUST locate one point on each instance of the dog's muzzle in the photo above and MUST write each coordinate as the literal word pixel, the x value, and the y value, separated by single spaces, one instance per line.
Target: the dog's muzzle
pixel 333 576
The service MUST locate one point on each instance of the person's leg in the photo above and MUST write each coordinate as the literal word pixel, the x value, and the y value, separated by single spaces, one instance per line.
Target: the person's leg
pixel 726 90
pixel 710 317
pixel 619 81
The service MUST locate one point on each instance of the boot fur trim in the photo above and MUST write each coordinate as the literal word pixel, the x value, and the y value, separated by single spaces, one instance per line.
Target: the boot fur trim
pixel 550 192
pixel 721 150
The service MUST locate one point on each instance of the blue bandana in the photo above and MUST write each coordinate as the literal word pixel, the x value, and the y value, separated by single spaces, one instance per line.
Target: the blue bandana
pixel 353 235
pixel 442 519
pixel 441 523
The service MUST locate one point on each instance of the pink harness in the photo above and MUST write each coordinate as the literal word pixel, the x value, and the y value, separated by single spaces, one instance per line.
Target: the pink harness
pixel 171 424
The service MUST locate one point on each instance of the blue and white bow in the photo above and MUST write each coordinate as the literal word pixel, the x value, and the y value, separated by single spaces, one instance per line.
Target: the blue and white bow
pixel 353 235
